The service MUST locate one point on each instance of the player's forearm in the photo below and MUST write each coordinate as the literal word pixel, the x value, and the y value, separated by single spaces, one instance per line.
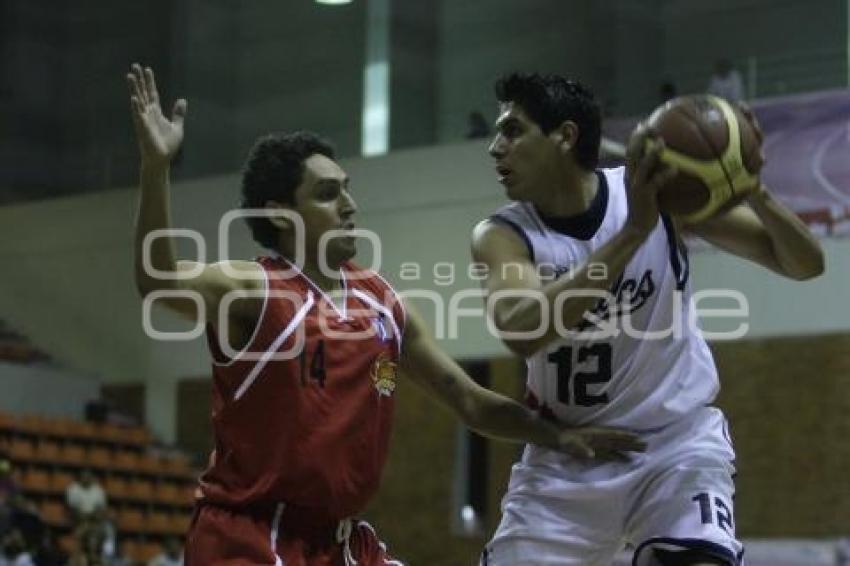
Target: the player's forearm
pixel 495 416
pixel 569 297
pixel 794 248
pixel 154 213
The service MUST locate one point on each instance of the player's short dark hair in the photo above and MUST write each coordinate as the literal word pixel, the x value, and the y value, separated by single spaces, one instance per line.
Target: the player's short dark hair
pixel 273 170
pixel 550 100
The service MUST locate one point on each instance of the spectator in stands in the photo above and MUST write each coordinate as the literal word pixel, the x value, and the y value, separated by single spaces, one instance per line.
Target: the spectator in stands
pixel 726 82
pixel 85 496
pixel 477 126
pixel 89 547
pixel 171 555
pixel 14 550
pixel 8 493
pixel 122 556
pixel 48 553
pixel 16 513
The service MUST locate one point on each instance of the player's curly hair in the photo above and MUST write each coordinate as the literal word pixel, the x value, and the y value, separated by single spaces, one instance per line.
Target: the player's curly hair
pixel 550 100
pixel 273 170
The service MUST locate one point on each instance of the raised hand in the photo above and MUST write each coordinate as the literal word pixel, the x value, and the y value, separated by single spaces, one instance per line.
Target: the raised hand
pixel 158 137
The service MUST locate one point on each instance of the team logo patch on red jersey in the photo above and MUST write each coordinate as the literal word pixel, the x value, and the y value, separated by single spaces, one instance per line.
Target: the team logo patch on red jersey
pixel 384 374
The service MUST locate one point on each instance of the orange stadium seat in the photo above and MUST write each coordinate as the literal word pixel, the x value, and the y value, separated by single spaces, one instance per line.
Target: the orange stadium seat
pixel 80 430
pixel 112 434
pixel 59 481
pixel 33 424
pixel 130 520
pixel 167 492
pixel 54 513
pixel 54 427
pixel 47 451
pixel 36 480
pixel 100 457
pixel 126 460
pixel 147 551
pixel 73 454
pixel 158 522
pixel 141 490
pixel 116 488
pixel 150 464
pixel 180 523
pixel 7 422
pixel 21 450
pixel 138 436
pixel 68 544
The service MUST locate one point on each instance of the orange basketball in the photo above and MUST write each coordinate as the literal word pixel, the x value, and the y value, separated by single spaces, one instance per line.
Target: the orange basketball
pixel 716 150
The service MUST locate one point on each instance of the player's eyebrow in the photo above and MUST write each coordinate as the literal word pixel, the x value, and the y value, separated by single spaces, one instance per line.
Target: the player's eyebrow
pixel 333 181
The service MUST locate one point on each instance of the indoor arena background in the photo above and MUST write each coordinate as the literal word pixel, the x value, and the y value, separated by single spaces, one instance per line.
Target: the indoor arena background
pixel 393 84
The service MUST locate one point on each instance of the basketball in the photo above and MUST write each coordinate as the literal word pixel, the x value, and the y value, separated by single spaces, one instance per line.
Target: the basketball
pixel 715 149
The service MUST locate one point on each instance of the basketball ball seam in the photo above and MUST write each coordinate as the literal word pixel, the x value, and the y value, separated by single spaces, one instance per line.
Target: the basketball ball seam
pixel 718 155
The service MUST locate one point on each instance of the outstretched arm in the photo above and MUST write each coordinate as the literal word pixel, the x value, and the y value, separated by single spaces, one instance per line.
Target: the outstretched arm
pixel 159 139
pixel 494 415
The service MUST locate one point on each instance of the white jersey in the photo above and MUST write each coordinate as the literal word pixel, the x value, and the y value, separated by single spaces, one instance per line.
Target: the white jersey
pixel 621 377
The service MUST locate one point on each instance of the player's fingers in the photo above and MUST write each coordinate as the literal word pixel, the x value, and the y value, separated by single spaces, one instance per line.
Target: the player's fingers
pixel 648 161
pixel 611 456
pixel 139 77
pixel 178 113
pixel 133 85
pixel 136 108
pixel 619 440
pixel 636 144
pixel 576 446
pixel 150 85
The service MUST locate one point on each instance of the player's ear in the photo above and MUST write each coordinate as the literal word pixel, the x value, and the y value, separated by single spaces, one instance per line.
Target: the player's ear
pixel 279 221
pixel 566 136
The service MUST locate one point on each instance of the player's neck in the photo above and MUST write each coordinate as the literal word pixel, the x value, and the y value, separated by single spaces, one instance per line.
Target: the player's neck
pixel 570 195
pixel 328 279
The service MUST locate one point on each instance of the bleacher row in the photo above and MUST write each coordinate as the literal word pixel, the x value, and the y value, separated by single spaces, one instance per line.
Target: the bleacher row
pixel 150 495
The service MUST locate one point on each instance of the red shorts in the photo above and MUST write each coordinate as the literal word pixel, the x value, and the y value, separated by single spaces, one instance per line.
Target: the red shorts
pixel 223 536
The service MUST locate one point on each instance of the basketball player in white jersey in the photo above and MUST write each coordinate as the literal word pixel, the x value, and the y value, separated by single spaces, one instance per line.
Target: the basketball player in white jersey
pixel 575 228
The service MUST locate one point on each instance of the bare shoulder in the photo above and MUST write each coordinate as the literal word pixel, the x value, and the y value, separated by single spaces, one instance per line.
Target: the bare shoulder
pixel 495 241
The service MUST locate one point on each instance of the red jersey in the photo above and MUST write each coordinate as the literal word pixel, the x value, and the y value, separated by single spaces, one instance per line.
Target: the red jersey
pixel 303 413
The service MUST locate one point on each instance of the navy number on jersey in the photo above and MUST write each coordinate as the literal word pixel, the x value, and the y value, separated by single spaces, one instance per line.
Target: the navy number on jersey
pixel 714 509
pixel 575 388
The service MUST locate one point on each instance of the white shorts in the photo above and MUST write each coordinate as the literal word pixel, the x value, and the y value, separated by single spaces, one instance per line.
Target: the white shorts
pixel 677 495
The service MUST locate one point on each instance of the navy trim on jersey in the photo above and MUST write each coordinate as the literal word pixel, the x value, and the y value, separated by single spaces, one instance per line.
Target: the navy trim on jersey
pixel 678 254
pixel 518 229
pixel 585 225
pixel 711 549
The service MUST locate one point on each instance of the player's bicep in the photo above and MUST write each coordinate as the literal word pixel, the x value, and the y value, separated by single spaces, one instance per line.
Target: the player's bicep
pixel 201 288
pixel 510 273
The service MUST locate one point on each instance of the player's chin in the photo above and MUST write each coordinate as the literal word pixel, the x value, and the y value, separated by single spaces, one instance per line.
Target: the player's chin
pixel 343 249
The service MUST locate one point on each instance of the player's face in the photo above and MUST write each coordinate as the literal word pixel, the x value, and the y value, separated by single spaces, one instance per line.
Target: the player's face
pixel 325 203
pixel 526 158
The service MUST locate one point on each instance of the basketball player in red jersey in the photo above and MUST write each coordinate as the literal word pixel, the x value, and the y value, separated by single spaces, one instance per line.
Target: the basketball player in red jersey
pixel 304 360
